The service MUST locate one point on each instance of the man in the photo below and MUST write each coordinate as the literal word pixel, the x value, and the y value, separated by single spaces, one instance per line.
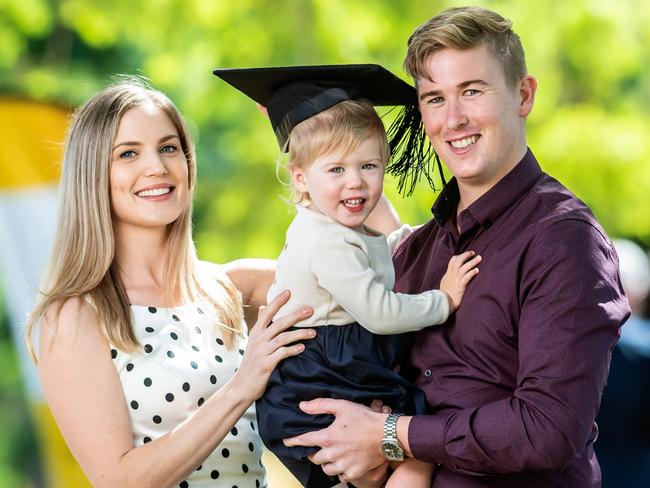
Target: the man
pixel 514 379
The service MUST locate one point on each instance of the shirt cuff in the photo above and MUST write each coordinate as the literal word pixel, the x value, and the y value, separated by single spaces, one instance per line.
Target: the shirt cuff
pixel 427 438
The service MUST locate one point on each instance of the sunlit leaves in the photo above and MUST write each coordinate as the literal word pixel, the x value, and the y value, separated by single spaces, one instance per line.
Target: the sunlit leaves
pixel 588 127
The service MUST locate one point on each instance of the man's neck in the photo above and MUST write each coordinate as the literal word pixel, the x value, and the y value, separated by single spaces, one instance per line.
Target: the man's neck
pixel 468 195
pixel 470 191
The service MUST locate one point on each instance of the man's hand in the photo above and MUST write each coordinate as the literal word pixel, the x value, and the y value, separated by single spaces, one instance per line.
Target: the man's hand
pixel 351 446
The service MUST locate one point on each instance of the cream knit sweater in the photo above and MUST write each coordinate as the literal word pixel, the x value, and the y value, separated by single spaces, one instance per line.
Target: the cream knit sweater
pixel 347 276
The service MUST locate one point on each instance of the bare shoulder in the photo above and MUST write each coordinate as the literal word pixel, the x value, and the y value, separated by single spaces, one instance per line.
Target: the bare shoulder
pixel 68 325
pixel 83 389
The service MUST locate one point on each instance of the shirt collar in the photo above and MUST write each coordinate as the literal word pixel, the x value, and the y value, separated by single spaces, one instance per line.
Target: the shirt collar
pixel 496 200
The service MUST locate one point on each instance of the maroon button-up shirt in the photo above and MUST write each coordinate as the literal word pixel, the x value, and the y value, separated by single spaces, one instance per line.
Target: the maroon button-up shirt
pixel 514 378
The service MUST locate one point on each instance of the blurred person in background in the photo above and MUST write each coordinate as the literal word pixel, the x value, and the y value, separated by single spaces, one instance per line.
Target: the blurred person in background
pixel 623 445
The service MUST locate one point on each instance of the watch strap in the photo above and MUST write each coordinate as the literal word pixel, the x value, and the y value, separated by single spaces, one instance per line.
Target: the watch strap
pixel 390 426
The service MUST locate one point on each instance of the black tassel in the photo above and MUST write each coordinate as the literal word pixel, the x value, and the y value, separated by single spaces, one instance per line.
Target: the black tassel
pixel 411 153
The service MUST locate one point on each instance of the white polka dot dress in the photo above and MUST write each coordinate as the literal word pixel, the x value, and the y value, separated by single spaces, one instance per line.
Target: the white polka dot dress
pixel 182 362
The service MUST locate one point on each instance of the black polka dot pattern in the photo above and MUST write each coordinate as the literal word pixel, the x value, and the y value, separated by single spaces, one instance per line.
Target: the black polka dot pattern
pixel 180 364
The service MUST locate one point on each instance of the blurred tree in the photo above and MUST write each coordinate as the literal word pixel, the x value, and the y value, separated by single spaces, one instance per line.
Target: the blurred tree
pixel 18 446
pixel 588 129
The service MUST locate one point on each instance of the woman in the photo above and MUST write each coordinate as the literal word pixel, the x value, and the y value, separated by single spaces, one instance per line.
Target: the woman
pixel 141 346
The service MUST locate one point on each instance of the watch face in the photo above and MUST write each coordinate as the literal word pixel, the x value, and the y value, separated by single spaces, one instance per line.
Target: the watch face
pixel 392 450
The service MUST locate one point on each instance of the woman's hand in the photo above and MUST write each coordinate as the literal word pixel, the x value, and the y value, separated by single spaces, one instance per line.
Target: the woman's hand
pixel 269 343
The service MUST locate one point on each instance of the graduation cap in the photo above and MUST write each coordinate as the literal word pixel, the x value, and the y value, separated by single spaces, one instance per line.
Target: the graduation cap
pixel 293 94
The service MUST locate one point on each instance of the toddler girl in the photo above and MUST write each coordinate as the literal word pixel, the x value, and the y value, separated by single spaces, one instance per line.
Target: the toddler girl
pixel 336 264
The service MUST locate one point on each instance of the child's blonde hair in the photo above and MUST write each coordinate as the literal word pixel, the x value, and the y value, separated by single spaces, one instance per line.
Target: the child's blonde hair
pixel 339 128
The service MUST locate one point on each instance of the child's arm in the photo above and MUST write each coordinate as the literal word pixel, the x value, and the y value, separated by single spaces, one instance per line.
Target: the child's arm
pixel 344 269
pixel 383 217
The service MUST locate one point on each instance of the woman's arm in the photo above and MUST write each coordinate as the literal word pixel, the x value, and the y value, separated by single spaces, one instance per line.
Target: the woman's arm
pixel 253 278
pixel 85 396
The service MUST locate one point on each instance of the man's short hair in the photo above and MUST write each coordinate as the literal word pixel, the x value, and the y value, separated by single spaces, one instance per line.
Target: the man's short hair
pixel 466 28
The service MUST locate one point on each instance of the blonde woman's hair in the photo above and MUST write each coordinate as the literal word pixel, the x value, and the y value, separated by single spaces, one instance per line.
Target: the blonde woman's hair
pixel 339 128
pixel 83 262
pixel 466 28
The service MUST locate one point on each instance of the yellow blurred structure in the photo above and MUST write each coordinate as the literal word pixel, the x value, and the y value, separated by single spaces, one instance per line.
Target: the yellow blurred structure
pixel 278 476
pixel 33 134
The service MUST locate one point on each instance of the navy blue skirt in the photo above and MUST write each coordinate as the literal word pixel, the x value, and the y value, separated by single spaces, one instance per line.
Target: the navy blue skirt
pixel 345 362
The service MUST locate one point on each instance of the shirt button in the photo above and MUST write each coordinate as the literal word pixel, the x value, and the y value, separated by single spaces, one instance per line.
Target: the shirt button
pixel 427 373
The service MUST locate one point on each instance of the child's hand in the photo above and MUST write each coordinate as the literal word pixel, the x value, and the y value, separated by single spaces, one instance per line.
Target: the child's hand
pixel 460 271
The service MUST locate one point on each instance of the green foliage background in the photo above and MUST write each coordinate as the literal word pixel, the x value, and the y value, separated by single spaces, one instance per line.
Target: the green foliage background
pixel 589 128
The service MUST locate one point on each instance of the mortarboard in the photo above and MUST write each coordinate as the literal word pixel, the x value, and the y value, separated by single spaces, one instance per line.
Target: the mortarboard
pixel 292 94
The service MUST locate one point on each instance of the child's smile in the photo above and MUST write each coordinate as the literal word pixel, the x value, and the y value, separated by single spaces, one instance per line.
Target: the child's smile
pixel 345 187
